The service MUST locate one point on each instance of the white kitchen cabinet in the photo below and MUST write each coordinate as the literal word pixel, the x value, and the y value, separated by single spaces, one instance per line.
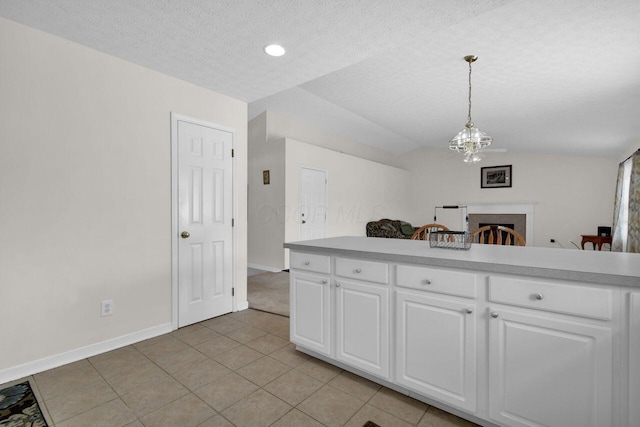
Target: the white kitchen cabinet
pixel 633 398
pixel 357 269
pixel 312 263
pixel 436 347
pixel 438 280
pixel 362 326
pixel 549 341
pixel 545 370
pixel 310 301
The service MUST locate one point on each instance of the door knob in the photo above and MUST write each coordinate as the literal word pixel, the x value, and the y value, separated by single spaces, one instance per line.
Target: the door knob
pixel 185 234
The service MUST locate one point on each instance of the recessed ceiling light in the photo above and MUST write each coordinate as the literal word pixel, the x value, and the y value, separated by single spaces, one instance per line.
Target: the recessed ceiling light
pixel 274 50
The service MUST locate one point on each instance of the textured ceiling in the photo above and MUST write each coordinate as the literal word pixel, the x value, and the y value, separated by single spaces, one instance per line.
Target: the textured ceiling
pixel 552 76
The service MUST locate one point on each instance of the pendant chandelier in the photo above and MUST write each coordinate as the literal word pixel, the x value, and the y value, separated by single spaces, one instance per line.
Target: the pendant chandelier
pixel 471 139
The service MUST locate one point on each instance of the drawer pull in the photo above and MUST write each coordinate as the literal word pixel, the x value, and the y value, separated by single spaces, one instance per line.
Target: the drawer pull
pixel 324 282
pixel 538 296
pixel 337 285
pixel 358 270
pixel 468 310
pixel 426 282
pixel 307 263
pixel 494 314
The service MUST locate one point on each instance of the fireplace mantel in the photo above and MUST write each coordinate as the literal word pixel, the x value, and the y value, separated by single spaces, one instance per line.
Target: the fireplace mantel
pixel 504 208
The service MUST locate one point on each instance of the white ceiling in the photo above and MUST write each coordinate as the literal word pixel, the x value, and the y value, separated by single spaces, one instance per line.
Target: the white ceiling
pixel 552 76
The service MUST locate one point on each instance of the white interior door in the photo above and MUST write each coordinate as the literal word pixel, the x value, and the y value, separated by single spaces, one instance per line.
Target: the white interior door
pixel 204 228
pixel 313 203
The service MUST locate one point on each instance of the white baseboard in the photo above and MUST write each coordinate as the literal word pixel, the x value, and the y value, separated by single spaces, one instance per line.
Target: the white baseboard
pixel 30 368
pixel 264 267
pixel 242 305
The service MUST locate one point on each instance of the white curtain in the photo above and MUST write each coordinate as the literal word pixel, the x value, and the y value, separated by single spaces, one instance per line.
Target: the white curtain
pixel 626 210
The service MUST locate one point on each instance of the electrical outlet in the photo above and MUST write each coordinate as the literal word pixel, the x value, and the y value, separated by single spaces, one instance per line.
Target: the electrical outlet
pixel 106 308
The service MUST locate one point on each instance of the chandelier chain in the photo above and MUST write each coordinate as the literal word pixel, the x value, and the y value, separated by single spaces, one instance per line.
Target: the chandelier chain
pixel 469 115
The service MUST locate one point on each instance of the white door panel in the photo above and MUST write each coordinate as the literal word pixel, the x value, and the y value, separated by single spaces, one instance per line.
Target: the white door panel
pixel 311 311
pixel 313 204
pixel 362 326
pixel 204 222
pixel 546 371
pixel 436 347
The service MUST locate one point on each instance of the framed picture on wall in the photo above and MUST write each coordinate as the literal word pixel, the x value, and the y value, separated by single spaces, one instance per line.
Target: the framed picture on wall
pixel 495 177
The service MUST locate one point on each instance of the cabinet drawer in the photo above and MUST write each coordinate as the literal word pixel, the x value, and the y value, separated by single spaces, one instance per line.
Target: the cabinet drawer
pixel 578 300
pixel 370 271
pixel 436 280
pixel 310 262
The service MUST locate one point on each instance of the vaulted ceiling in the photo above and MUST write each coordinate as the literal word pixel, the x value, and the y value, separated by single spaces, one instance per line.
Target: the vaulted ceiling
pixel 552 76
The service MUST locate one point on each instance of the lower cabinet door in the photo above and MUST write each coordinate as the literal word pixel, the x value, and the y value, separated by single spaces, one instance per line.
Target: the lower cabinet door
pixel 546 371
pixel 436 348
pixel 362 326
pixel 633 399
pixel 310 311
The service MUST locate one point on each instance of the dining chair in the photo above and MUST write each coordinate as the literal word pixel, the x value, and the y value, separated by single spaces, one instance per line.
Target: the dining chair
pixel 422 233
pixel 497 235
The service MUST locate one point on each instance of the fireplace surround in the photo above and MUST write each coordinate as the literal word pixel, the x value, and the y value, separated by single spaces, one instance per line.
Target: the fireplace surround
pixel 518 214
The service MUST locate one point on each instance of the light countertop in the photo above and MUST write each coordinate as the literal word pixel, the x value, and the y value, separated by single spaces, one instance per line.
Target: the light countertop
pixel 604 267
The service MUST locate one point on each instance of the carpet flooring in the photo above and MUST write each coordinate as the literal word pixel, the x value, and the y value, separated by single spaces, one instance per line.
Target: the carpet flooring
pixel 269 292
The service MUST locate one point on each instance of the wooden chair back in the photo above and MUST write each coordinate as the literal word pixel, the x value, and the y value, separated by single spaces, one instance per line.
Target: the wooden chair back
pixel 422 233
pixel 497 235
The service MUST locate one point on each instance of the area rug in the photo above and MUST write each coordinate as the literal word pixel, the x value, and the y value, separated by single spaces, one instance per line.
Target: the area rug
pixel 19 406
pixel 269 292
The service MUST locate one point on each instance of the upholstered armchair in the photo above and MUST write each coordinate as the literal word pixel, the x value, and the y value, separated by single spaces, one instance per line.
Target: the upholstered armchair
pixel 390 228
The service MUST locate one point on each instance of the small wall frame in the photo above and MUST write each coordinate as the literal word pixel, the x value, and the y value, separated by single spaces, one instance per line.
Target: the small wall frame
pixel 495 177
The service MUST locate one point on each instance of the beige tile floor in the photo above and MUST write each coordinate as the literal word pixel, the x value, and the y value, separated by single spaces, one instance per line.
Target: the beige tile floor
pixel 235 370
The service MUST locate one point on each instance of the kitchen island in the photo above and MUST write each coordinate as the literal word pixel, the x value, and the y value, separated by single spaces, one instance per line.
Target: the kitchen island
pixel 514 336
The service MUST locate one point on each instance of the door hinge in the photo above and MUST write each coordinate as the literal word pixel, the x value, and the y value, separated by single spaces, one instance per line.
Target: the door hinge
pixel 233 152
pixel 233 292
pixel 233 222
